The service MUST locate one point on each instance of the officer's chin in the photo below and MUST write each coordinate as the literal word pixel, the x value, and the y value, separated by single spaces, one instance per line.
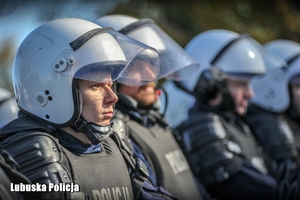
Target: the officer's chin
pixel 241 111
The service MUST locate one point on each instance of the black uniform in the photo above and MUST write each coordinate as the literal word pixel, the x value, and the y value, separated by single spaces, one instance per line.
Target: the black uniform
pixel 226 157
pixel 59 159
pixel 273 132
pixel 154 137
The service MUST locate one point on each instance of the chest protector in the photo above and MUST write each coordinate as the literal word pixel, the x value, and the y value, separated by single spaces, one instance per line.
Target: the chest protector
pixel 171 168
pixel 105 184
pixel 244 138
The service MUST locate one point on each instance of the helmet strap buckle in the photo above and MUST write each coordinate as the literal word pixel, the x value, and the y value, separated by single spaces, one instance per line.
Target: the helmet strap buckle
pixel 94 132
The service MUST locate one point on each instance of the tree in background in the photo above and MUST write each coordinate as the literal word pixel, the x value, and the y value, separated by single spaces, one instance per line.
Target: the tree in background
pixel 264 20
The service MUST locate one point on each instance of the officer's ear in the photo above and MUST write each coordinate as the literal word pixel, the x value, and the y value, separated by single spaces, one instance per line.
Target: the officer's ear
pixel 206 88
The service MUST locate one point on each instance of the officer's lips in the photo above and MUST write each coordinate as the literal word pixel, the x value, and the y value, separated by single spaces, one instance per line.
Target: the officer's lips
pixel 244 104
pixel 108 115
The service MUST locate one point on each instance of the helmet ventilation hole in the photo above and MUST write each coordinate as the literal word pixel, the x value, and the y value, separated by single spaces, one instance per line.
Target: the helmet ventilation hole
pixel 41 99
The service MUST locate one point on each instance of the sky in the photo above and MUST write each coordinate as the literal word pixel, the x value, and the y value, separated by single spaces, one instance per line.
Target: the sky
pixel 18 24
pixel 19 17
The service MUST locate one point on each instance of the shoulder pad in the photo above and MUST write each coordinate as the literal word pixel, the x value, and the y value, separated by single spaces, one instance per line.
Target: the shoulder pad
pixel 202 129
pixel 273 133
pixel 207 149
pixel 38 155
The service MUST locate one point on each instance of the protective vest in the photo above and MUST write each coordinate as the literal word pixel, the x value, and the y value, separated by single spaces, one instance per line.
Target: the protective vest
pixel 52 163
pixel 79 169
pixel 171 168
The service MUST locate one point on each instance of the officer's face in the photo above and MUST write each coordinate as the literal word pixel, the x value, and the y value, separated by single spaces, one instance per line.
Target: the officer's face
pixel 241 92
pixel 98 100
pixel 296 96
pixel 145 95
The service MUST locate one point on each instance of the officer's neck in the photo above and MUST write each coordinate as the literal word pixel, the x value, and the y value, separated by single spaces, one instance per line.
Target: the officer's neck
pixel 79 135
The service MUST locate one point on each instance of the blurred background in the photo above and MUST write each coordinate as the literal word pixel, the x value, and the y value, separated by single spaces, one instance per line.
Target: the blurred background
pixel 182 20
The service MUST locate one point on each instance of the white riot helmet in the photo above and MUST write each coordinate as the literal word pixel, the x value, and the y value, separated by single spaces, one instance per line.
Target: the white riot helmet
pixel 274 96
pixel 175 64
pixel 223 53
pixel 55 54
pixel 8 107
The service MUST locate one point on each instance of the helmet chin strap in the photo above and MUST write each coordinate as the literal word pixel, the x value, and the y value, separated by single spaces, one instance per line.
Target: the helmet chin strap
pixel 94 132
pixel 227 103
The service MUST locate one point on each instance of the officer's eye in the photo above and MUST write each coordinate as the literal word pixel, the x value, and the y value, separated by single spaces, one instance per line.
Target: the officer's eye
pixel 96 86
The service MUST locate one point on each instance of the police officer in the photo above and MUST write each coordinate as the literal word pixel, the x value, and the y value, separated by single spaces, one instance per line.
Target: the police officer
pixel 63 75
pixel 275 109
pixel 219 145
pixel 139 120
pixel 8 107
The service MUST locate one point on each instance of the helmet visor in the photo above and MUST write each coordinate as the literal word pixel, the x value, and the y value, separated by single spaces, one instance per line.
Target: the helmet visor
pixel 293 72
pixel 175 63
pixel 106 53
pixel 242 58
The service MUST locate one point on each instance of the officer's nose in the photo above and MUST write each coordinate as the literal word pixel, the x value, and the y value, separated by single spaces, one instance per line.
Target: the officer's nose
pixel 111 97
pixel 249 92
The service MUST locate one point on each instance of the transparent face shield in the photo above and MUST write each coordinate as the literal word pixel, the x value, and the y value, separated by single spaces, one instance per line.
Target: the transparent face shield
pixel 270 89
pixel 104 55
pixel 218 75
pixel 293 72
pixel 175 63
